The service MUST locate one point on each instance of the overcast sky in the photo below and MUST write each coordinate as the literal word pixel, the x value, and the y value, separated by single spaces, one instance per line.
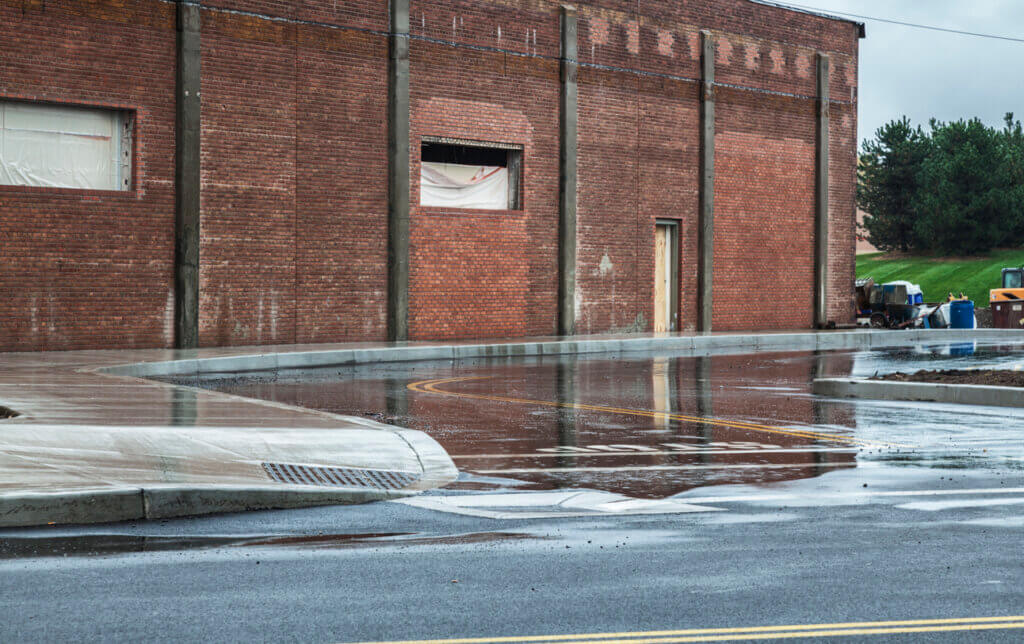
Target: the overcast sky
pixel 924 74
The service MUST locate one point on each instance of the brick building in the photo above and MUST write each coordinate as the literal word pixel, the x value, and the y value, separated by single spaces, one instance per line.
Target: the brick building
pixel 237 172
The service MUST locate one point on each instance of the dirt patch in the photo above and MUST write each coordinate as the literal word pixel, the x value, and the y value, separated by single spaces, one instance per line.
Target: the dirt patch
pixel 7 412
pixel 990 377
pixel 984 317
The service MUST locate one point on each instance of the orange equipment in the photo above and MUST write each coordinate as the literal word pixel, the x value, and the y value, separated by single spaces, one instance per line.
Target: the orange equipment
pixel 1013 287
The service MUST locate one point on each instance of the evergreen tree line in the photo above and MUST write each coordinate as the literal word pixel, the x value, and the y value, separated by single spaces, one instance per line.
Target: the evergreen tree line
pixel 957 189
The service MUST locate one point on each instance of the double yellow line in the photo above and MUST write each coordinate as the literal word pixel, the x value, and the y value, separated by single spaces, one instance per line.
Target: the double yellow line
pixel 843 629
pixel 431 387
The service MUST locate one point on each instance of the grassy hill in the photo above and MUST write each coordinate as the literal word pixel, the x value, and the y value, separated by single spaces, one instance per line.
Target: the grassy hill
pixel 975 276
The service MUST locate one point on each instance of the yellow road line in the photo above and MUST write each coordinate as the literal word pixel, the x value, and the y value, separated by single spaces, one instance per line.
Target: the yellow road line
pixel 667 452
pixel 431 387
pixel 802 634
pixel 756 632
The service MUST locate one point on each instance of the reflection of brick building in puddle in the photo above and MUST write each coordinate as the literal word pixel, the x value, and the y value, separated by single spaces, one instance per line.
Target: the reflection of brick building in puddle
pixel 723 387
pixel 561 446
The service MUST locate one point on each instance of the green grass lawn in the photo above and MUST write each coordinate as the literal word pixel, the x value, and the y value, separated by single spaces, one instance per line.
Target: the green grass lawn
pixel 975 276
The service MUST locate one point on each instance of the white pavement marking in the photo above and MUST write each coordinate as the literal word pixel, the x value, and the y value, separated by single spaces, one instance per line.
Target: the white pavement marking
pixel 550 505
pixel 848 495
pixel 576 503
pixel 662 468
pixel 847 450
pixel 933 506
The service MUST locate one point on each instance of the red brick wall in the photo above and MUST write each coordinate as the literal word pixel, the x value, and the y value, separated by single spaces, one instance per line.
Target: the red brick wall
pixel 639 161
pixel 843 205
pixel 249 147
pixel 341 271
pixel 91 268
pixel 294 200
pixel 669 157
pixel 764 212
pixel 484 273
pixel 608 224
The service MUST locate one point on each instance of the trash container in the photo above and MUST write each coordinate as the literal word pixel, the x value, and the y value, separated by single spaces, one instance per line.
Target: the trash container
pixel 940 318
pixel 961 314
pixel 1008 315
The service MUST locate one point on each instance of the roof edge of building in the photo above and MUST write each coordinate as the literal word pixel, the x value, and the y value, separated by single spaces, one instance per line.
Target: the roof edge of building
pixel 861 30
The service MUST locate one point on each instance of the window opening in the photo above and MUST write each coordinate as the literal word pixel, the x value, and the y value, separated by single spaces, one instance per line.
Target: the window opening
pixel 60 146
pixel 470 174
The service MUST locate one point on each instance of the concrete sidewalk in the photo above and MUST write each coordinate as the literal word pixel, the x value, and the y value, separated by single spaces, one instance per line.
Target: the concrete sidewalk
pixel 96 442
pixel 92 447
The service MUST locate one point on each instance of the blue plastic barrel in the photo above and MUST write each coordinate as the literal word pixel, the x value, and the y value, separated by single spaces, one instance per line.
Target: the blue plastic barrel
pixel 961 314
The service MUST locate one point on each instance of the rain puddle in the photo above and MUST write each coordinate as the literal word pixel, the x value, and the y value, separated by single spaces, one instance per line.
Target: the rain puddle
pixel 650 426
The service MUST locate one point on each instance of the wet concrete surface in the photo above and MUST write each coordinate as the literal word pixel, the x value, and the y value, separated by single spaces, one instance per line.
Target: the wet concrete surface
pixel 656 426
pixel 819 511
pixel 79 444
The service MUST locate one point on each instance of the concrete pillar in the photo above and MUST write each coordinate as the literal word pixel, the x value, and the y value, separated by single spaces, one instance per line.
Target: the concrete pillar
pixel 398 173
pixel 187 178
pixel 568 132
pixel 706 215
pixel 822 199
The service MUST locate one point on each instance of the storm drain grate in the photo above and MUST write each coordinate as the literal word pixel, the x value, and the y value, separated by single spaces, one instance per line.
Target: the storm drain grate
pixel 339 476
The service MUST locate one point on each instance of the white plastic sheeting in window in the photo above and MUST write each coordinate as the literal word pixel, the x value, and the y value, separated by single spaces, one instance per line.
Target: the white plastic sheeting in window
pixel 62 147
pixel 452 185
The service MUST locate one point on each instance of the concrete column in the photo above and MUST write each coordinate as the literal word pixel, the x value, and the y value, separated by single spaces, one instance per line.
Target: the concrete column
pixel 568 132
pixel 187 178
pixel 706 215
pixel 398 173
pixel 822 199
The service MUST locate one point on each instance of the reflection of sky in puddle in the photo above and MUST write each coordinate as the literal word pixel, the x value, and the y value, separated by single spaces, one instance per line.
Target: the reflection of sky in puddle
pixel 956 437
pixel 653 427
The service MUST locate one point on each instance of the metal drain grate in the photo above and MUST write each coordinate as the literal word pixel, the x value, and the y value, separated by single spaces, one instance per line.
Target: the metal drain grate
pixel 339 476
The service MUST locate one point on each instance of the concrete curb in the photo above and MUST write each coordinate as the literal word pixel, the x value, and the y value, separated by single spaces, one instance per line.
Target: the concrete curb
pixel 24 509
pixel 919 392
pixel 21 509
pixel 681 344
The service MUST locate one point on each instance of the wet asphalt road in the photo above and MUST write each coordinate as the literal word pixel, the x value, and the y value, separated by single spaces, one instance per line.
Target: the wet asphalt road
pixel 812 512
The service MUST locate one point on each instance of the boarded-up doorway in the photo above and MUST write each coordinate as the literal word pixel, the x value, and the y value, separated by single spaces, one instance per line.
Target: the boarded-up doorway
pixel 666 276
